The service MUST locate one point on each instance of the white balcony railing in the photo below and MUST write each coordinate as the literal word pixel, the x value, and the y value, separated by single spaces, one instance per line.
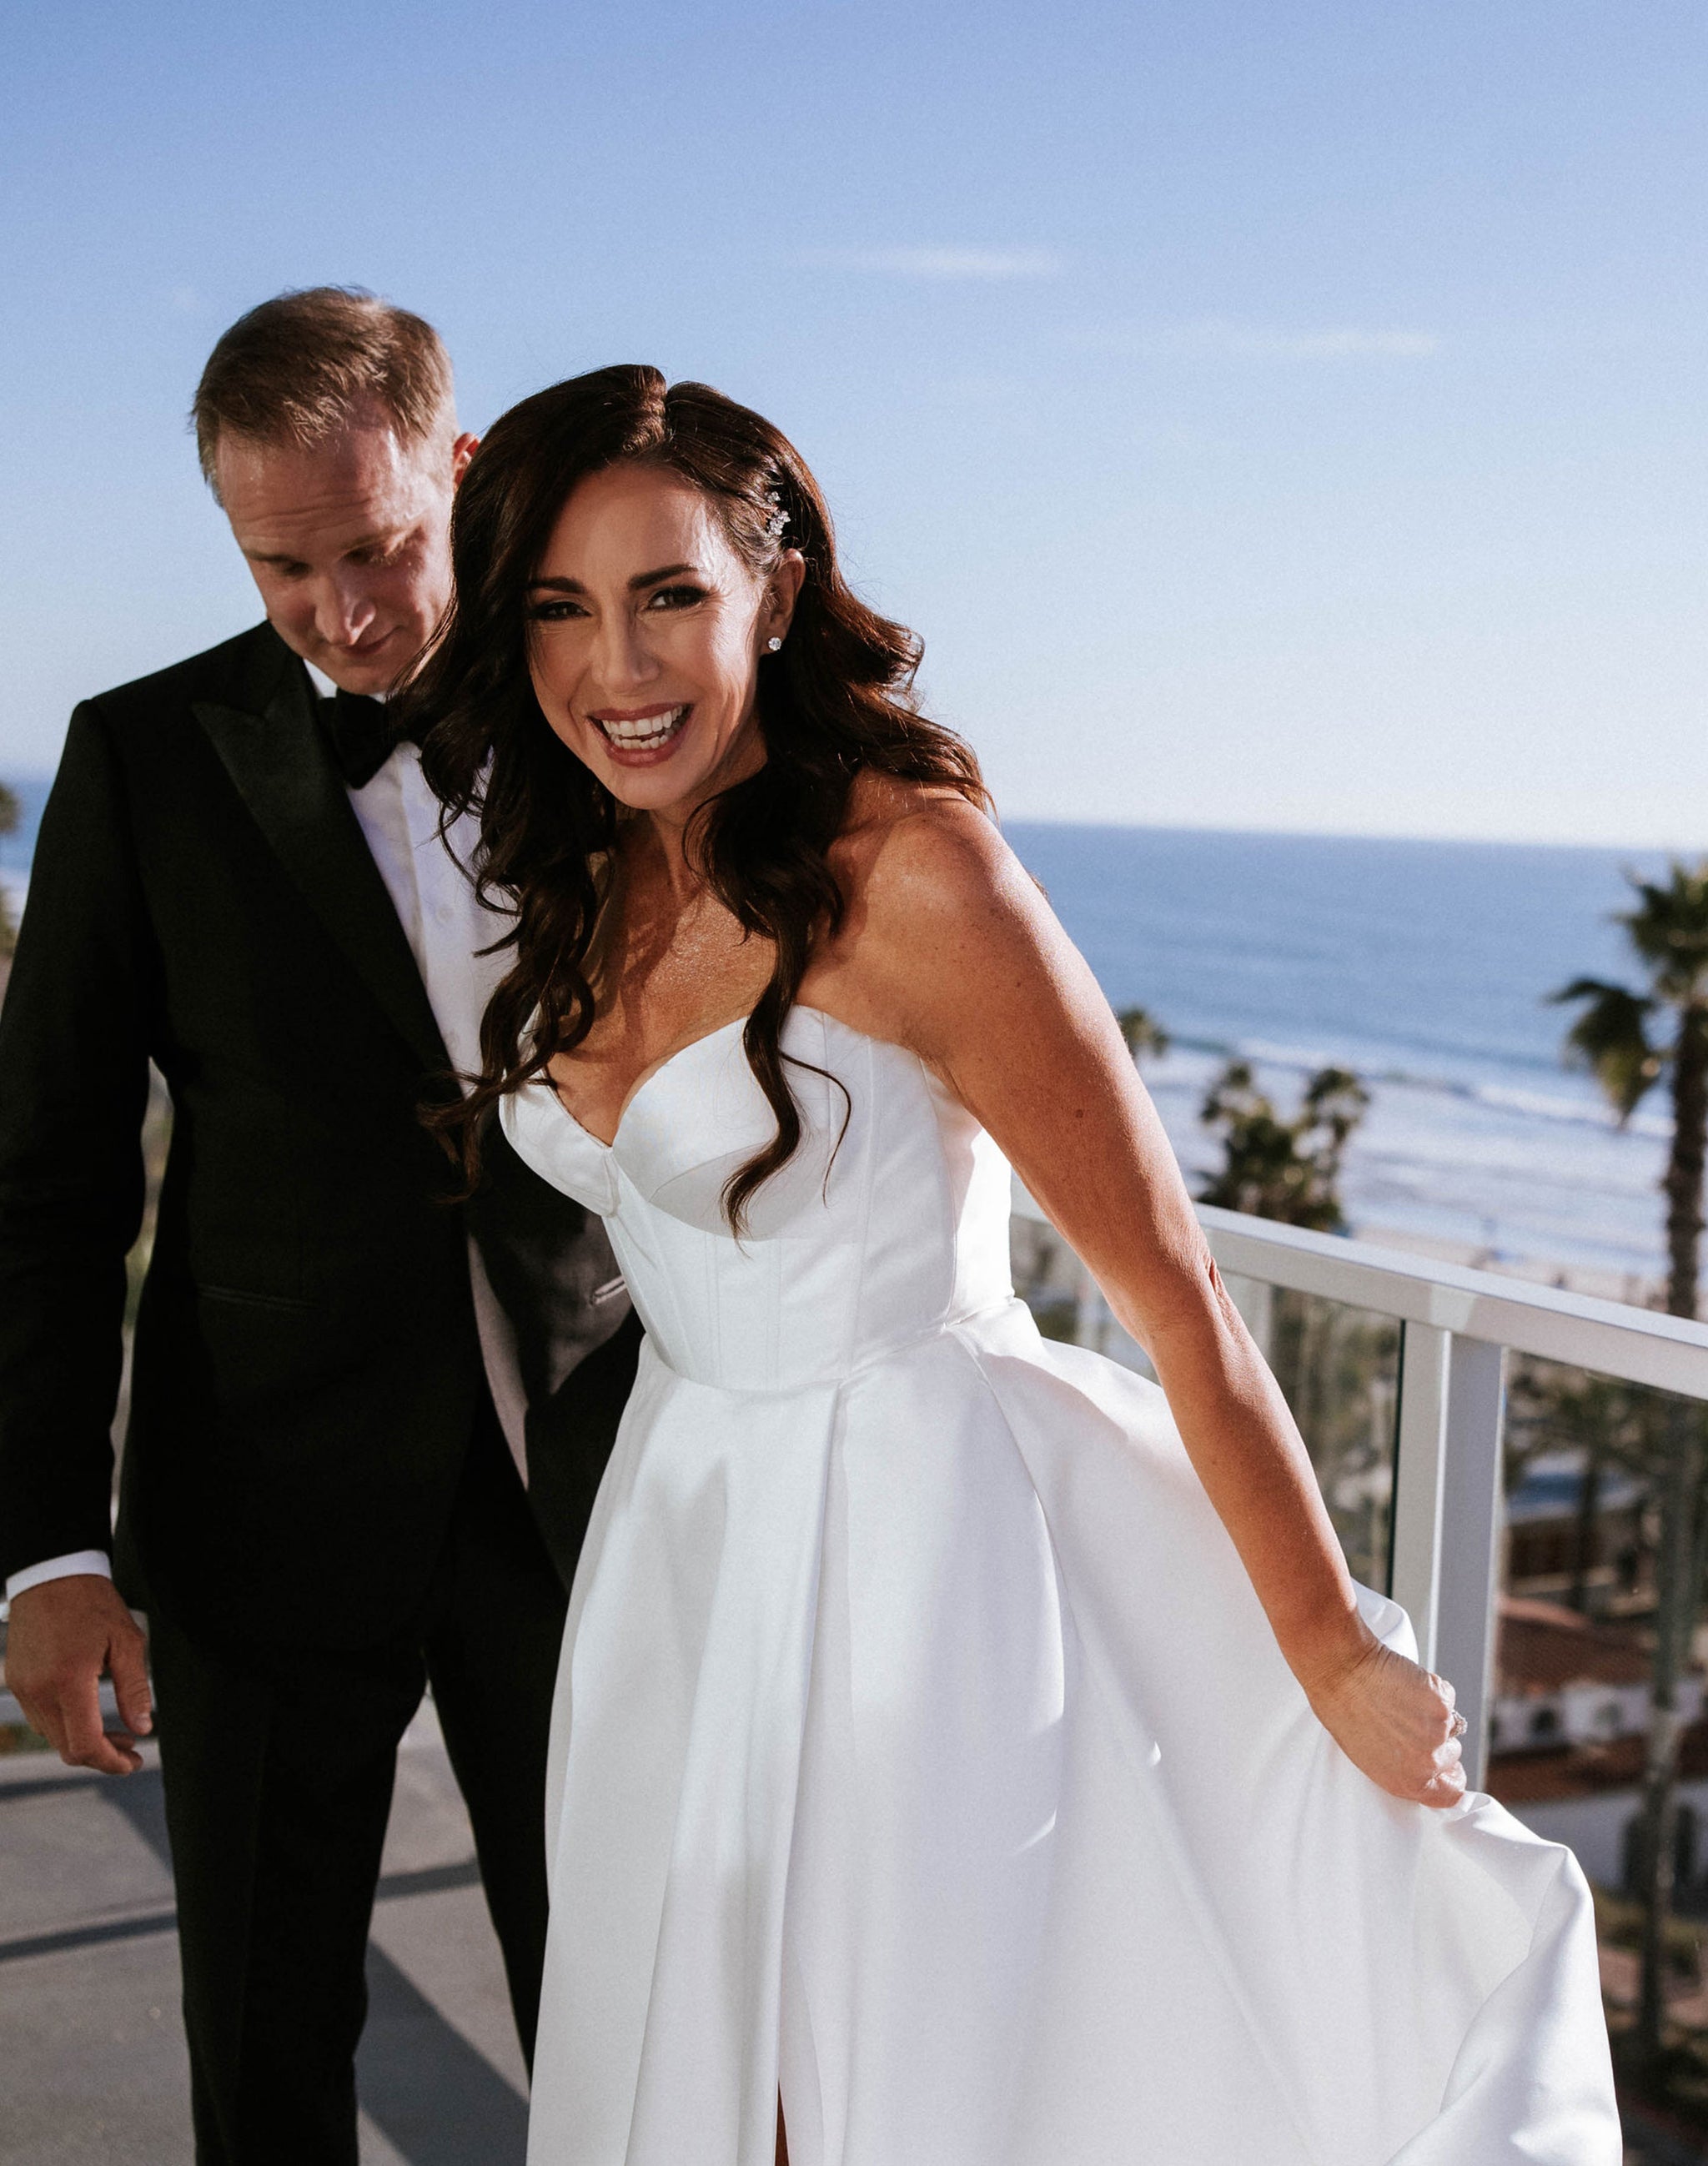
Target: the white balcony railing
pixel 1457 1327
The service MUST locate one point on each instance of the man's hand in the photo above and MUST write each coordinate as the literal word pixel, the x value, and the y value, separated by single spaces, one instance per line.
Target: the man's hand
pixel 64 1637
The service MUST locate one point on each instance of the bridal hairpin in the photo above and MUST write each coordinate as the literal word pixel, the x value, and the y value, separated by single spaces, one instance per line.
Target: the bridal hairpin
pixel 779 519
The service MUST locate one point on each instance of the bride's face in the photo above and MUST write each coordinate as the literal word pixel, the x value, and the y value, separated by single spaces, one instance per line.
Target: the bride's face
pixel 645 631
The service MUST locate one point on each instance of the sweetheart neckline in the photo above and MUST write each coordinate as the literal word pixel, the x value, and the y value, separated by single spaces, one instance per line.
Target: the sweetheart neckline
pixel 659 1068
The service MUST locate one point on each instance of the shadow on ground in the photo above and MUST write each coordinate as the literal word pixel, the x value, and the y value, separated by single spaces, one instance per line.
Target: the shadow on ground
pixel 89 2034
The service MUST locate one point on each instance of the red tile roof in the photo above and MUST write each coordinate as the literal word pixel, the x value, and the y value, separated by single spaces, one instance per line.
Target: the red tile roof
pixel 1586 1771
pixel 1543 1646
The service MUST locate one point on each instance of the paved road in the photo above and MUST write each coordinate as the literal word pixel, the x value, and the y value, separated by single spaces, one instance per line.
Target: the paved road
pixel 91 2053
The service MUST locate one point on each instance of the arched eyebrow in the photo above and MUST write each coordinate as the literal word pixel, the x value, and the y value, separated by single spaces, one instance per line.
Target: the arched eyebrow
pixel 640 579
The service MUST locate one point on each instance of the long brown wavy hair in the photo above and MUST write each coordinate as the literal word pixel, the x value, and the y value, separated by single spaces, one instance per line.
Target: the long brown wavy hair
pixel 838 699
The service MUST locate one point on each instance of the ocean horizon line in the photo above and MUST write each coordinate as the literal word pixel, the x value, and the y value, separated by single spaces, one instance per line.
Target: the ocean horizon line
pixel 1233 832
pixel 37 780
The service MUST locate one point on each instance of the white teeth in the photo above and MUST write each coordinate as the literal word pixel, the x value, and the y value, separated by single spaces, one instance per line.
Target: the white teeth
pixel 652 730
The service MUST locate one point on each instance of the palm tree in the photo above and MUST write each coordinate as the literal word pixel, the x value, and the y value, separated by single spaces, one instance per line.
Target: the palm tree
pixel 1613 1038
pixel 1146 1039
pixel 1629 1040
pixel 1285 1170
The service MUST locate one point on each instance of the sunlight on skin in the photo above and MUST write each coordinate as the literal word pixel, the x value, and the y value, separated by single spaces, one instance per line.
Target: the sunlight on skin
pixel 646 632
pixel 645 635
pixel 349 543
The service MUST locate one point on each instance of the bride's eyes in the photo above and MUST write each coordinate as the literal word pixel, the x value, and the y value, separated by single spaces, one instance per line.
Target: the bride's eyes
pixel 564 609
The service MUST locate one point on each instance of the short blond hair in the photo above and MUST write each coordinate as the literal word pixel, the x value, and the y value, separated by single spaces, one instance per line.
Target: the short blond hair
pixel 293 370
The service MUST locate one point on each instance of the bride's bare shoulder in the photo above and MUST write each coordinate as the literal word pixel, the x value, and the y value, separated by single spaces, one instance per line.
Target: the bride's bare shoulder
pixel 929 883
pixel 917 849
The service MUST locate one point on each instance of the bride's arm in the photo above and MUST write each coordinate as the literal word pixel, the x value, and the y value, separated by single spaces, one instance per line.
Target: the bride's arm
pixel 950 949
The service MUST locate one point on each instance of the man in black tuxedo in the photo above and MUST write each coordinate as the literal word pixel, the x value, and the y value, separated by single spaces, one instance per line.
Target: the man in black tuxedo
pixel 342 1375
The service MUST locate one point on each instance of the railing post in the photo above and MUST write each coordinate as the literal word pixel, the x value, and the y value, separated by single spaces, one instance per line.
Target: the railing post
pixel 1420 1481
pixel 1446 1514
pixel 1470 1565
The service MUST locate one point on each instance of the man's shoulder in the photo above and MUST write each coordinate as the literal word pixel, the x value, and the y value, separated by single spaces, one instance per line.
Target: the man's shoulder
pixel 245 672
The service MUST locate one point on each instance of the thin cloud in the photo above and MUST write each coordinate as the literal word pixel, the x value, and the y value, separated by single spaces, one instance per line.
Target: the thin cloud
pixel 1217 339
pixel 991 266
pixel 1333 345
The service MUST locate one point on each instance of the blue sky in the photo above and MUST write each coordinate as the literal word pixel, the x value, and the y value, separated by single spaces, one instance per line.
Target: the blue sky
pixel 1274 416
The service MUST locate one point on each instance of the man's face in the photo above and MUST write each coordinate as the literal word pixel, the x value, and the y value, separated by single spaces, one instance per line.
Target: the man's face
pixel 349 543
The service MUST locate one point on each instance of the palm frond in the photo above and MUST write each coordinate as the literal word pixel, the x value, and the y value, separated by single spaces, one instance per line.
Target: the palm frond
pixel 1668 929
pixel 1610 1039
pixel 1146 1039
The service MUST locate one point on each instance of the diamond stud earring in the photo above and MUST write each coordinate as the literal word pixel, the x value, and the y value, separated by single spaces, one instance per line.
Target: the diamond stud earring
pixel 772 645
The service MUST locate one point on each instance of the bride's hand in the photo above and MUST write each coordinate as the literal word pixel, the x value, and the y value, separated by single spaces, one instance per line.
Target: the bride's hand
pixel 1396 1722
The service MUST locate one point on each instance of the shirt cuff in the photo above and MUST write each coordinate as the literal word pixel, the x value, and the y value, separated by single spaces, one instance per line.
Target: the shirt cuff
pixel 95 1562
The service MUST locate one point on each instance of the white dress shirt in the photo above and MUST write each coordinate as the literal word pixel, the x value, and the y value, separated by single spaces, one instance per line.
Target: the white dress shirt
pixel 445 926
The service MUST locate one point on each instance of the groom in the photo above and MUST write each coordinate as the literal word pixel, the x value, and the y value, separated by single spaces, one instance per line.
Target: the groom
pixel 343 1376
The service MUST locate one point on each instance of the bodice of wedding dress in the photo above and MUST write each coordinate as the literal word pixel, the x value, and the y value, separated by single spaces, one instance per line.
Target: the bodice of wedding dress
pixel 891 1219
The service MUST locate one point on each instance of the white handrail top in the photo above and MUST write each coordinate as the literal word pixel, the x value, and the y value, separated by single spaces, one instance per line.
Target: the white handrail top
pixel 1638 1346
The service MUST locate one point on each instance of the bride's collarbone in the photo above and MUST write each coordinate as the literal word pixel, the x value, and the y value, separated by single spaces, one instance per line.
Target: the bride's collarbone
pixel 639 1027
pixel 660 987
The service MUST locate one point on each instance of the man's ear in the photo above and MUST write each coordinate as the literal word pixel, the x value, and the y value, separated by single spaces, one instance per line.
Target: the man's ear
pixel 462 451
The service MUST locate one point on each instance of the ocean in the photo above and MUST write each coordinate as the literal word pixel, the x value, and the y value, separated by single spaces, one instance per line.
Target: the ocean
pixel 1423 966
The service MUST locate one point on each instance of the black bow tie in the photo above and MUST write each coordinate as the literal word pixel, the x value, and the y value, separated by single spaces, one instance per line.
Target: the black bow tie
pixel 362 734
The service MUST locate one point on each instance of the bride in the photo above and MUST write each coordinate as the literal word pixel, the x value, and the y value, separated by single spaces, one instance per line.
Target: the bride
pixel 967 1754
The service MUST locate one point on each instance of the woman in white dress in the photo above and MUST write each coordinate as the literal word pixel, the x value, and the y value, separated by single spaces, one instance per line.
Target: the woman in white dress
pixel 965 1754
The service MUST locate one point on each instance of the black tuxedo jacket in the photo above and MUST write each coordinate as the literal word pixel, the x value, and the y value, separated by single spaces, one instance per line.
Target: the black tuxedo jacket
pixel 306 1372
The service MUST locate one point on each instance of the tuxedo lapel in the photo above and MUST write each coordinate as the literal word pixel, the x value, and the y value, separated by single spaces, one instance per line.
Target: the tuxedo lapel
pixel 274 754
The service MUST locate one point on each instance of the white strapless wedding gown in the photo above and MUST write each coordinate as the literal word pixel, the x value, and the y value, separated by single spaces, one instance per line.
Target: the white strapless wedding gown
pixel 921 1748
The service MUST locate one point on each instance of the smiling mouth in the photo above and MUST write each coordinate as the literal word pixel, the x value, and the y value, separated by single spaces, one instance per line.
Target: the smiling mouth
pixel 647 731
